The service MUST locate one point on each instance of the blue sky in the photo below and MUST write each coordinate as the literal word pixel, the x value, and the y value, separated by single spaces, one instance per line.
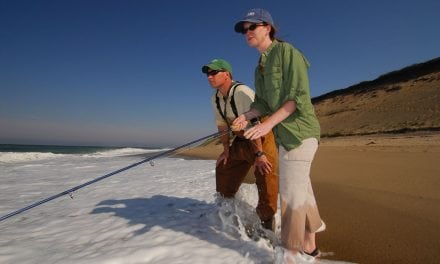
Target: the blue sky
pixel 127 73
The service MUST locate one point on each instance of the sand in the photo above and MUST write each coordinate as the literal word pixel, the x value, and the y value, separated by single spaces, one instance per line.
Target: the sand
pixel 379 196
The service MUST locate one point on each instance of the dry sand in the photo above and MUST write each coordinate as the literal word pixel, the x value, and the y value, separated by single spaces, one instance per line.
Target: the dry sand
pixel 379 196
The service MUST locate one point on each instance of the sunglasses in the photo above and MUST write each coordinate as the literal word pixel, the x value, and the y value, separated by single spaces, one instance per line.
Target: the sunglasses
pixel 212 73
pixel 252 27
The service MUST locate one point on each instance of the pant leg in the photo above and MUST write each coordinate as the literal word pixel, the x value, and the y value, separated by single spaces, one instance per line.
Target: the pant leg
pixel 268 184
pixel 299 211
pixel 230 176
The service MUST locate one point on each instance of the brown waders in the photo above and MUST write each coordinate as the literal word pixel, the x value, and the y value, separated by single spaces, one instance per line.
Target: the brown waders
pixel 230 176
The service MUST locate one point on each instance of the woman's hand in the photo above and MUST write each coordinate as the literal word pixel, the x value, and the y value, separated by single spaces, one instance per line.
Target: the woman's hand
pixel 258 131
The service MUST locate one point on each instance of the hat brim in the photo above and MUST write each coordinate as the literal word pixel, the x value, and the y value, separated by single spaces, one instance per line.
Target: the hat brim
pixel 239 25
pixel 214 67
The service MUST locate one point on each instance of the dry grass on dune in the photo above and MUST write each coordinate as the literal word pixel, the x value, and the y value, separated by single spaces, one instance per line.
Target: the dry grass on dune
pixel 389 106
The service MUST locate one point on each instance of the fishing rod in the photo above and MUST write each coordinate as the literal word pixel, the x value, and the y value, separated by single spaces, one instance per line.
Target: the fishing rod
pixel 71 190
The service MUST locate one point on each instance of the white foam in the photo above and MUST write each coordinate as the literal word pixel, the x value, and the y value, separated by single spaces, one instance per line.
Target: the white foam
pixel 161 214
pixel 13 157
pixel 122 152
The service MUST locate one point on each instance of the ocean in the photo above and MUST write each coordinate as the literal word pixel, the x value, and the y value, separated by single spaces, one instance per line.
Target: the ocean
pixel 10 153
pixel 166 212
pixel 53 149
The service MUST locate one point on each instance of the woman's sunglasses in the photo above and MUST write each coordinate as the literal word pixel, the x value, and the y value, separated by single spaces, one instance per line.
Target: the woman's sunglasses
pixel 252 27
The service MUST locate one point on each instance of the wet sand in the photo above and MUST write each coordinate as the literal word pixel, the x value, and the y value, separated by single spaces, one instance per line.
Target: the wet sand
pixel 379 195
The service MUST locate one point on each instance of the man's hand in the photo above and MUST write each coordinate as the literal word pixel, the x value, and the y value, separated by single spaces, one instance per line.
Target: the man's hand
pixel 263 165
pixel 223 158
pixel 240 123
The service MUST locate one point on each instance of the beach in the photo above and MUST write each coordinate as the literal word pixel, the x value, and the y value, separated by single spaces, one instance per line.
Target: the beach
pixel 379 195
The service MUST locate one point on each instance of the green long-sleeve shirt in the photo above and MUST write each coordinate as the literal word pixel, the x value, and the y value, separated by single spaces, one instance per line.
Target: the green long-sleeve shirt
pixel 282 76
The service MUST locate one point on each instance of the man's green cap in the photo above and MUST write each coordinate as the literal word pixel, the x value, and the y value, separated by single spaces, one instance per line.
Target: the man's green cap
pixel 217 65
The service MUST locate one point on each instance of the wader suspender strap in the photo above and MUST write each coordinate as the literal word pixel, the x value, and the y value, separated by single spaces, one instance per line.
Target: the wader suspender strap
pixel 233 106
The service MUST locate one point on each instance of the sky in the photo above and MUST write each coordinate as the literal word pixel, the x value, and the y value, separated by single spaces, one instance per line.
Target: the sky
pixel 128 73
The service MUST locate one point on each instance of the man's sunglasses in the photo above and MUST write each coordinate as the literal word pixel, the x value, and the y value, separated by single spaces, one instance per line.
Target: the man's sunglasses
pixel 212 73
pixel 252 27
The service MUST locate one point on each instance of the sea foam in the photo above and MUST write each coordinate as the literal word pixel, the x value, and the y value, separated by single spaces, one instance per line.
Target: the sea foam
pixel 14 157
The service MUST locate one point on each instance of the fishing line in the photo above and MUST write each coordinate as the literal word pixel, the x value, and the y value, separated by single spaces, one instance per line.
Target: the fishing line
pixel 149 159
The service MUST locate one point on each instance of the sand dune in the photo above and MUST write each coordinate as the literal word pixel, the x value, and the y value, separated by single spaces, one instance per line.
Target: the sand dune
pixel 393 105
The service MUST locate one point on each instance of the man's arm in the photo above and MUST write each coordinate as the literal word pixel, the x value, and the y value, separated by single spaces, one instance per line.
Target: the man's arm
pixel 225 141
pixel 261 162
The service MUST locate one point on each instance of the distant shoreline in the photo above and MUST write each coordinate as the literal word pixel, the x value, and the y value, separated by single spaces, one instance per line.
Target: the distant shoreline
pixel 419 138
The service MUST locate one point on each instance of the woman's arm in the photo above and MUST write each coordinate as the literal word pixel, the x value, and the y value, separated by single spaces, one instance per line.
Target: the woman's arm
pixel 241 122
pixel 262 129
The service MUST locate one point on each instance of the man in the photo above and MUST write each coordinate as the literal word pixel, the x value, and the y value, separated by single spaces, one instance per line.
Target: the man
pixel 239 154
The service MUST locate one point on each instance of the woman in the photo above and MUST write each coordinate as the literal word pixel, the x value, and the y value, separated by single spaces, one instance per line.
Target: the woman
pixel 282 92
